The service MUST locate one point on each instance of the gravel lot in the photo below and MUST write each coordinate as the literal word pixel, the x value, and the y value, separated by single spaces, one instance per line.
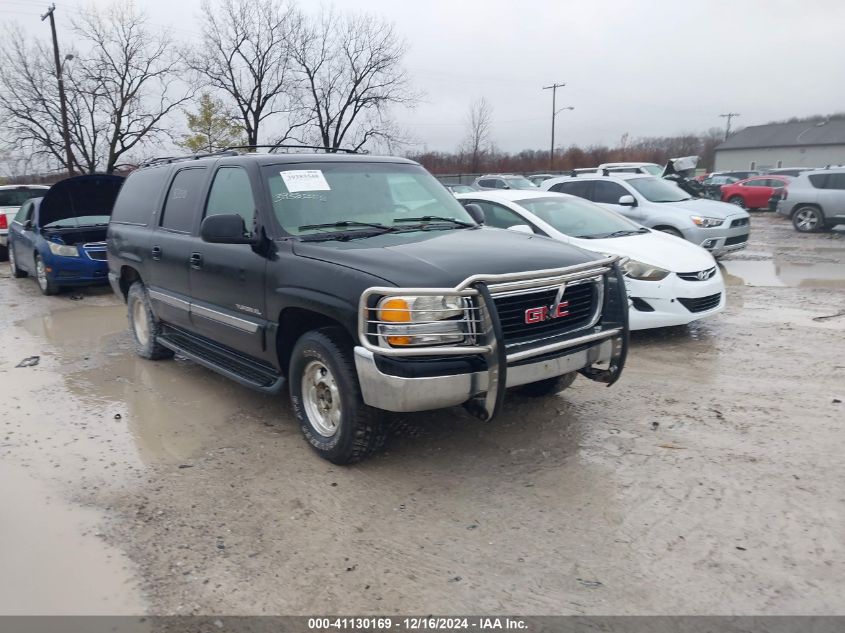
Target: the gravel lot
pixel 709 480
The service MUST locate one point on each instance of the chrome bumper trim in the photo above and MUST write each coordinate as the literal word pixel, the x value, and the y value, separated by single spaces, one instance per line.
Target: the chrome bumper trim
pixel 394 393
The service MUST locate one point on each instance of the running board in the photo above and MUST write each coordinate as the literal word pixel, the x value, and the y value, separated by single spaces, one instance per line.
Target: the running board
pixel 222 360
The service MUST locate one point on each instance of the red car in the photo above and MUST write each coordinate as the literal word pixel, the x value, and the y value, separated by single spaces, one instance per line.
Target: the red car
pixel 753 193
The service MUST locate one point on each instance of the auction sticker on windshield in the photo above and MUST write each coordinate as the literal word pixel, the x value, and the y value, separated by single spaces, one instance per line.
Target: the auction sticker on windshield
pixel 304 180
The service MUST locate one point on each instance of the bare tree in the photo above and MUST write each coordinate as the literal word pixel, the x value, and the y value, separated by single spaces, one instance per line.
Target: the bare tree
pixel 479 126
pixel 120 89
pixel 351 67
pixel 246 56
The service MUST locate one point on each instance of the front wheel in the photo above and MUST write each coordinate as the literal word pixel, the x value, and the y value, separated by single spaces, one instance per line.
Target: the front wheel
pixel 808 219
pixel 548 386
pixel 16 272
pixel 44 283
pixel 670 231
pixel 327 399
pixel 738 201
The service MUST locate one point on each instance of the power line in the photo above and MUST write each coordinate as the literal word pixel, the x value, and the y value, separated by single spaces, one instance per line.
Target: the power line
pixel 728 116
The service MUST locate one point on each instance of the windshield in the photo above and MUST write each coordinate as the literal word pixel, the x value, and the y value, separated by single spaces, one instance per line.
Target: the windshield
pixel 658 190
pixel 520 183
pixel 16 197
pixel 370 194
pixel 579 218
pixel 83 220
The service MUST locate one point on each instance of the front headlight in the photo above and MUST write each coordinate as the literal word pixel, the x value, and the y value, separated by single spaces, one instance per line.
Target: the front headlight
pixel 64 250
pixel 705 222
pixel 423 320
pixel 643 272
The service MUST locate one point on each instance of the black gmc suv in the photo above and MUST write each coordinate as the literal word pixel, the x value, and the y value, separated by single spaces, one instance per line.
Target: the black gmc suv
pixel 359 281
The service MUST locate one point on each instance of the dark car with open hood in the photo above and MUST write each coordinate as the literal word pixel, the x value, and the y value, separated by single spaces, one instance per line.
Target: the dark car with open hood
pixel 361 284
pixel 60 238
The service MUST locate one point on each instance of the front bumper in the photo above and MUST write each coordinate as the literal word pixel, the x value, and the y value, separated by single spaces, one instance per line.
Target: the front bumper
pixel 478 372
pixel 723 239
pixel 76 271
pixel 663 299
pixel 401 394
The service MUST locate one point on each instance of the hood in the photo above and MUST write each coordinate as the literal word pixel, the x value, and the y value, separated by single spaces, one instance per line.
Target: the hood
pixel 680 165
pixel 702 206
pixel 657 249
pixel 92 194
pixel 445 258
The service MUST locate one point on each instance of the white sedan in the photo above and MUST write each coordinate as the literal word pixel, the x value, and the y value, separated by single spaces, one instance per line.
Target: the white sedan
pixel 670 281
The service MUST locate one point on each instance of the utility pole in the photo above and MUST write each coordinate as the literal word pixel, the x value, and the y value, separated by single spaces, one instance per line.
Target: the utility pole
pixel 555 112
pixel 728 116
pixel 62 102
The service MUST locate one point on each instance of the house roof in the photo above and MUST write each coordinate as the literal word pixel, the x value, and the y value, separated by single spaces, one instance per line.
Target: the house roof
pixel 806 133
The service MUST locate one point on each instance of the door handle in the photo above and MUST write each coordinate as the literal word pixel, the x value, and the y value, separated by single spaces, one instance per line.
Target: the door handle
pixel 196 261
pixel 156 252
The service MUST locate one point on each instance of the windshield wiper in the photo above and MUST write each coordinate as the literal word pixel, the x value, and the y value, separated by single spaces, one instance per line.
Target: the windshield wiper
pixel 435 218
pixel 622 233
pixel 342 224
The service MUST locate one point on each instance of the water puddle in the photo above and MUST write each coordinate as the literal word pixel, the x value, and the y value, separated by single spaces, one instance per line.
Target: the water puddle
pixel 771 273
pixel 53 559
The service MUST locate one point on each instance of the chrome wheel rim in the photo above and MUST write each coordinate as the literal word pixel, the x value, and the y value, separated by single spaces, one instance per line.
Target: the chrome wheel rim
pixel 806 220
pixel 321 398
pixel 12 266
pixel 140 324
pixel 41 273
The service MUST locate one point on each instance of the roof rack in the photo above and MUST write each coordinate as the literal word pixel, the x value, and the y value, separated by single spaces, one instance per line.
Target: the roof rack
pixel 172 159
pixel 328 150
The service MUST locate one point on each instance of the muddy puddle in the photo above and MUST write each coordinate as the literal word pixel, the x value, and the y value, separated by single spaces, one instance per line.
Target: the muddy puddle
pixel 771 273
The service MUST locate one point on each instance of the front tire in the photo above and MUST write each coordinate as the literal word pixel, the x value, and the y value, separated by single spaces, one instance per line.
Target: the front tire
pixel 145 327
pixel 670 231
pixel 808 219
pixel 16 272
pixel 46 286
pixel 327 399
pixel 738 201
pixel 548 386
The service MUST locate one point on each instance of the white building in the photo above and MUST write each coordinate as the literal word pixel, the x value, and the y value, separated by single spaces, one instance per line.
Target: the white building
pixel 807 144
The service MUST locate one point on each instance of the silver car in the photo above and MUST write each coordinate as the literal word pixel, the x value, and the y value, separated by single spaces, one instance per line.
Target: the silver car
pixel 660 204
pixel 815 200
pixel 503 181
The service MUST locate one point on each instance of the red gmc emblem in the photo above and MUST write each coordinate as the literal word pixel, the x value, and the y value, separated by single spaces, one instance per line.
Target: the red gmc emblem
pixel 546 313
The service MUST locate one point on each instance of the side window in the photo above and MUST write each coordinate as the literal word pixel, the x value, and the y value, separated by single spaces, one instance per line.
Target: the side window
pixel 756 182
pixel 139 195
pixel 835 181
pixel 485 183
pixel 499 184
pixel 608 192
pixel 24 213
pixel 231 192
pixel 498 216
pixel 580 188
pixel 183 200
pixel 818 180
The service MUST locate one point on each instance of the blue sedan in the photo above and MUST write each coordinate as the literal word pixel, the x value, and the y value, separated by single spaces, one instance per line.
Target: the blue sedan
pixel 60 239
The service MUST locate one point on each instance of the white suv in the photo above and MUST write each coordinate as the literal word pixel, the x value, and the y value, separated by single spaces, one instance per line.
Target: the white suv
pixel 660 204
pixel 815 200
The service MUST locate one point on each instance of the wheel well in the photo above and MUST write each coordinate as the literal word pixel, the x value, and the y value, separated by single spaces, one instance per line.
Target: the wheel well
pixel 293 323
pixel 663 227
pixel 128 276
pixel 805 204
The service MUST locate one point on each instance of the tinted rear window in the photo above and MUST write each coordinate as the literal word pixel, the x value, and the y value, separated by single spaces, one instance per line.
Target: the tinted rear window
pixel 16 197
pixel 140 193
pixel 818 180
pixel 183 198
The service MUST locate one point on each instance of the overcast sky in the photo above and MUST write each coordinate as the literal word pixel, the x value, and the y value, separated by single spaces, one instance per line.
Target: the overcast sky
pixel 645 67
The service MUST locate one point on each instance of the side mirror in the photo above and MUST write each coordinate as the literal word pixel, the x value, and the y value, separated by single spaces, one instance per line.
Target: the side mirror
pixel 476 213
pixel 521 228
pixel 27 225
pixel 627 201
pixel 227 228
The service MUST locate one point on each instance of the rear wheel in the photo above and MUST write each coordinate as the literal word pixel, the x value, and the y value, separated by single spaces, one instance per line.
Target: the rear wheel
pixel 327 399
pixel 548 386
pixel 738 201
pixel 808 219
pixel 13 266
pixel 145 327
pixel 44 283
